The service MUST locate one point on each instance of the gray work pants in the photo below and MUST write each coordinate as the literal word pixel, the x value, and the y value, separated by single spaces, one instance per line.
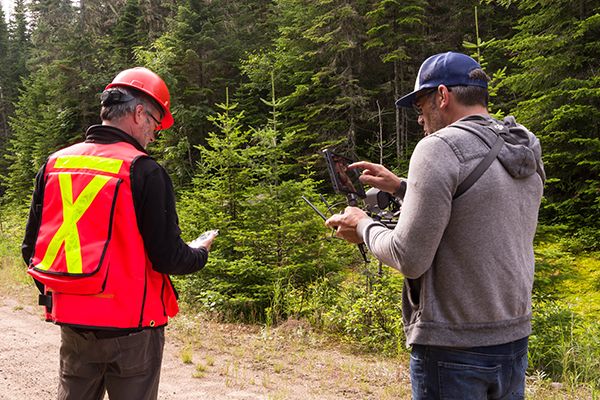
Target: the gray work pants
pixel 128 367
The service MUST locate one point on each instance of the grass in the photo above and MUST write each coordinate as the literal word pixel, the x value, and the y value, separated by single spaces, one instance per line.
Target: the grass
pixel 14 280
pixel 200 371
pixel 186 355
pixel 582 290
pixel 565 344
pixel 539 387
pixel 291 361
pixel 282 363
pixel 277 358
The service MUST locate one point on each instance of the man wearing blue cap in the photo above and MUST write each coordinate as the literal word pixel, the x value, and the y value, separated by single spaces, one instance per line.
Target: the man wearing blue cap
pixel 464 239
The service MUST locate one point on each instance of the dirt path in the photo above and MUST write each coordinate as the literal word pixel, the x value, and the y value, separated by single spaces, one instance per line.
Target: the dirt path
pixel 207 360
pixel 28 354
pixel 29 362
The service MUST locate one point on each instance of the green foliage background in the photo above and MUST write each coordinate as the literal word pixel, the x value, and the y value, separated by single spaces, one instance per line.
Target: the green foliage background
pixel 259 86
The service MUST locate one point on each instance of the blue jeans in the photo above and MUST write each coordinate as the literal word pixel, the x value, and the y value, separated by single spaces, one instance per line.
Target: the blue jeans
pixel 490 372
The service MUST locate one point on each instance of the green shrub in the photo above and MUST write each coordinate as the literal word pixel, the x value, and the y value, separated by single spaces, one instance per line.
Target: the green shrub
pixel 12 268
pixel 575 239
pixel 366 309
pixel 583 239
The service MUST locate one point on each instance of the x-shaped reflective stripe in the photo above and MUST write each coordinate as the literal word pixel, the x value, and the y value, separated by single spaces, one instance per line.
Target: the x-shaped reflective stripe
pixel 67 233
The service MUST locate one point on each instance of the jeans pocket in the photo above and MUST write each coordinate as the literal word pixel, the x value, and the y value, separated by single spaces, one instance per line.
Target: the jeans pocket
pixel 458 381
pixel 515 383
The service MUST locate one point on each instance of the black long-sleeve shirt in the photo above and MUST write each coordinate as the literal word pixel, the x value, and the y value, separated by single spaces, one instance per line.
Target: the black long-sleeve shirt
pixel 154 203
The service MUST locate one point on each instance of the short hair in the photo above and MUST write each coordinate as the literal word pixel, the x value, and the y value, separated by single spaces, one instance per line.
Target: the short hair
pixel 118 102
pixel 473 95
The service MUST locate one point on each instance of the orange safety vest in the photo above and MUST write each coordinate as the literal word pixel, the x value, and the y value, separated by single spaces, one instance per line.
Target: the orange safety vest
pixel 89 252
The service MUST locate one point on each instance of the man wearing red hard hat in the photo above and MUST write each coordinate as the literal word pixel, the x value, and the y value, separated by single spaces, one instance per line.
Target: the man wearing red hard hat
pixel 101 241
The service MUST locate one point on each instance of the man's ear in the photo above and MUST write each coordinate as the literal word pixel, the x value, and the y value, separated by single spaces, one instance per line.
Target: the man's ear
pixel 444 94
pixel 138 113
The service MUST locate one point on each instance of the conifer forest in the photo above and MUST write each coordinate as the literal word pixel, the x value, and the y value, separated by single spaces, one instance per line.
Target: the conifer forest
pixel 259 87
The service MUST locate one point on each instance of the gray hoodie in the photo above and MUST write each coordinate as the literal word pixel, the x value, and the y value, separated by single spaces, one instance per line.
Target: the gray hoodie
pixel 468 261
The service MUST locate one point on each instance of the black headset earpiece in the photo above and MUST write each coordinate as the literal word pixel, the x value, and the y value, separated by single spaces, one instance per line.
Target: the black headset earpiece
pixel 114 96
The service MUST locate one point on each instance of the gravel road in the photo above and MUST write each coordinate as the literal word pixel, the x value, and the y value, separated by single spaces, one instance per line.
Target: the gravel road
pixel 29 362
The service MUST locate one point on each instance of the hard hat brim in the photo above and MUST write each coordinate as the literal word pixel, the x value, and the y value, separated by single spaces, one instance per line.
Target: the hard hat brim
pixel 167 120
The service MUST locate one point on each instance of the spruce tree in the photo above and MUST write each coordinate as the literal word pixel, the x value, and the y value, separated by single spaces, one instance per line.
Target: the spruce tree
pixel 318 62
pixel 50 112
pixel 19 45
pixel 13 72
pixel 41 125
pixel 127 34
pixel 4 100
pixel 557 87
pixel 54 25
pixel 396 32
pixel 270 242
pixel 4 79
pixel 199 54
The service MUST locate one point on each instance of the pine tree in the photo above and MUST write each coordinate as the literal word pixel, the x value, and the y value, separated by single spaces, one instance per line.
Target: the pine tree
pixel 318 61
pixel 19 45
pixel 4 79
pixel 269 240
pixel 396 31
pixel 126 35
pixel 557 49
pixel 199 55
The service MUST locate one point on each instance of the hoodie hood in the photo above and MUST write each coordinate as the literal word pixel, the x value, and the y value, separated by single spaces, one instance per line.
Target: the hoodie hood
pixel 521 154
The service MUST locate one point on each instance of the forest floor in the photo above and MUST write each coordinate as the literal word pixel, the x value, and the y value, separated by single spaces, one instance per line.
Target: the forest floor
pixel 205 359
pixel 208 360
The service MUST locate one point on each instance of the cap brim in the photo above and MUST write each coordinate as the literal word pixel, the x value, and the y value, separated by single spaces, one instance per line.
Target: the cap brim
pixel 407 100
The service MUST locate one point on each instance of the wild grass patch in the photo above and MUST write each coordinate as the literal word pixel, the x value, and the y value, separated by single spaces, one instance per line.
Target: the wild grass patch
pixel 14 280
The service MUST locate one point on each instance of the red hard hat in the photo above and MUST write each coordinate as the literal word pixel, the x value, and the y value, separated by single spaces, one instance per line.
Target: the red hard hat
pixel 146 81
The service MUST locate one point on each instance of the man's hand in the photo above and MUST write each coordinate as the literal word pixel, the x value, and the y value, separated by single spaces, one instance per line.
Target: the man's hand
pixel 204 240
pixel 377 176
pixel 345 224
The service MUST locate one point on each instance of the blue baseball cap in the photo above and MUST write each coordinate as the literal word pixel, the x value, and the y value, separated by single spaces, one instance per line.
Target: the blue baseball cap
pixel 449 69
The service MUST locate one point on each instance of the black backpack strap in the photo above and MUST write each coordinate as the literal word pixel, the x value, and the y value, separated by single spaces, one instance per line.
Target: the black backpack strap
pixel 482 166
pixel 39 285
pixel 44 298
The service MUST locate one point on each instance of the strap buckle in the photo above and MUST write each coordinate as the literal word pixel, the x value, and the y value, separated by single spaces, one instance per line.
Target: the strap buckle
pixel 46 300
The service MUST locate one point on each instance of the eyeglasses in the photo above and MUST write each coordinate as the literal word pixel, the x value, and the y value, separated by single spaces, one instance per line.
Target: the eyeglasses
pixel 157 122
pixel 422 96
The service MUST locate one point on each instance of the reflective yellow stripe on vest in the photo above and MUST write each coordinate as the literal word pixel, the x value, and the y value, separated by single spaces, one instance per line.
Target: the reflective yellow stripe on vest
pixel 94 163
pixel 67 233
